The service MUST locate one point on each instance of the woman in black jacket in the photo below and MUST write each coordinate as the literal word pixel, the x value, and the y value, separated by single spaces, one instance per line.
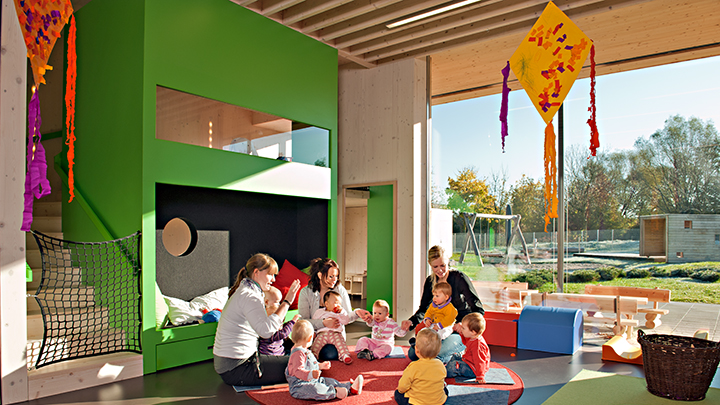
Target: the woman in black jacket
pixel 464 298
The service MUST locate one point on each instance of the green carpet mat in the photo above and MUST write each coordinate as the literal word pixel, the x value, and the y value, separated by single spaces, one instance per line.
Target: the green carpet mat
pixel 596 387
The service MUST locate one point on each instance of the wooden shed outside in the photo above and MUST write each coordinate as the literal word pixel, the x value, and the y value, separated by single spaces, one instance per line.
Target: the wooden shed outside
pixel 681 238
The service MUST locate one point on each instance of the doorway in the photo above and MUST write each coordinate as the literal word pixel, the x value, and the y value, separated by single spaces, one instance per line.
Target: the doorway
pixel 369 243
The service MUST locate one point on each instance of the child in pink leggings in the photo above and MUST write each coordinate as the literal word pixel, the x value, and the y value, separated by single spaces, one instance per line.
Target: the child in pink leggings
pixel 384 330
pixel 332 336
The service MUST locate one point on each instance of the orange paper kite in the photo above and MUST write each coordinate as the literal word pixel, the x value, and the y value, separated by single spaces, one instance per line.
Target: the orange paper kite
pixel 42 22
pixel 546 63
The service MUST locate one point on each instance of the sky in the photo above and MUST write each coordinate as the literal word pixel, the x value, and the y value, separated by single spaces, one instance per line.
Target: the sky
pixel 630 105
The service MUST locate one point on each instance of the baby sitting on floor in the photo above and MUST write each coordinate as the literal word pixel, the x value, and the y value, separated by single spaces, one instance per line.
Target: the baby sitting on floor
pixel 475 362
pixel 384 330
pixel 273 346
pixel 332 336
pixel 303 371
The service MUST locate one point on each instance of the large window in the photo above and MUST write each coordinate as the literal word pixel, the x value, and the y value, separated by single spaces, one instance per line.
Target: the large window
pixel 194 120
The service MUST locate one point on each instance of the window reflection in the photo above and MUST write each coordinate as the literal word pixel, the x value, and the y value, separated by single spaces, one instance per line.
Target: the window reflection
pixel 194 120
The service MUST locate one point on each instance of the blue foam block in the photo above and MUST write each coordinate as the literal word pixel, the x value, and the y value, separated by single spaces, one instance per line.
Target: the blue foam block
pixel 467 394
pixel 550 329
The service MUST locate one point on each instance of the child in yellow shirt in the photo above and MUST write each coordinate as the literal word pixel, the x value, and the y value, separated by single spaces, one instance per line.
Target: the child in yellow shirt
pixel 423 381
pixel 441 313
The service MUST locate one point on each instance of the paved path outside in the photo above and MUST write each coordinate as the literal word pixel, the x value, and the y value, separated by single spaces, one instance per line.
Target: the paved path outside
pixel 687 317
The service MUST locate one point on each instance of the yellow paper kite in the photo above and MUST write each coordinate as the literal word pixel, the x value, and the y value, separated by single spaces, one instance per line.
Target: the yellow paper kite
pixel 546 63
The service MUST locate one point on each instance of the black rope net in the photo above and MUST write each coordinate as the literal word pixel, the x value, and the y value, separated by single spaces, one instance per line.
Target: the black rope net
pixel 89 297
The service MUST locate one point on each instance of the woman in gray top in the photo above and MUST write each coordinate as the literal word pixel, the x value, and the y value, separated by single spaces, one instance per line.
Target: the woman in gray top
pixel 324 274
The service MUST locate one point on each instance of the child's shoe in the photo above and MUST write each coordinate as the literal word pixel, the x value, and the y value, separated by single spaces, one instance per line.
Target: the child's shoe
pixel 346 359
pixel 341 392
pixel 412 342
pixel 370 356
pixel 356 387
pixel 363 354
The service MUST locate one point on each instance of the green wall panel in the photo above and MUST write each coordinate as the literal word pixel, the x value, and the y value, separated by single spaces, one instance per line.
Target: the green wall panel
pixel 211 48
pixel 380 246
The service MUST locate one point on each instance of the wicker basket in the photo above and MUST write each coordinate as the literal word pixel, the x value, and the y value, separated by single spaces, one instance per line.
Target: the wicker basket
pixel 678 367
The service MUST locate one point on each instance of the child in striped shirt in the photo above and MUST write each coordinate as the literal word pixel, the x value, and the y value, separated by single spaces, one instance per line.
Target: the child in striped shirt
pixel 384 330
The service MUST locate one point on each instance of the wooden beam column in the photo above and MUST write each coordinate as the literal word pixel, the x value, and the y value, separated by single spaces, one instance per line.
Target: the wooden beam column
pixel 13 306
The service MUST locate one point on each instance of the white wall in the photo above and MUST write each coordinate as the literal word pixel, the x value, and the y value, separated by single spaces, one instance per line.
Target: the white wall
pixel 382 138
pixel 355 240
pixel 441 228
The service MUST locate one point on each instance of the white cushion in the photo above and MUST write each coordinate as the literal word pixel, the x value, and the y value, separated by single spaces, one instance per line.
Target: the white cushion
pixel 181 312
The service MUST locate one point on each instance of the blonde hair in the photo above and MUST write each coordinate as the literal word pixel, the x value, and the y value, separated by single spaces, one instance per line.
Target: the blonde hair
pixel 273 292
pixel 382 304
pixel 302 330
pixel 443 287
pixel 259 262
pixel 475 322
pixel 434 253
pixel 428 343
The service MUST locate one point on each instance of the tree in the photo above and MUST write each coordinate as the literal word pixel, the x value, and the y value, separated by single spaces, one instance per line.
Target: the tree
pixel 527 199
pixel 679 164
pixel 469 194
pixel 591 197
pixel 473 191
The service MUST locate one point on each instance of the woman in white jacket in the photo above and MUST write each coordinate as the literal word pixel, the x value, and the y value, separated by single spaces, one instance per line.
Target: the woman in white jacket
pixel 324 274
pixel 243 320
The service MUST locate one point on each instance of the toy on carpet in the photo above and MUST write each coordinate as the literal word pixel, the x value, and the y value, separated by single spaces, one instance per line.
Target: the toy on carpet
pixel 210 316
pixel 620 350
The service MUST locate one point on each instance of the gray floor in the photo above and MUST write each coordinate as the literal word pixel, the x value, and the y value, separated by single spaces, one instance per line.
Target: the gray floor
pixel 542 373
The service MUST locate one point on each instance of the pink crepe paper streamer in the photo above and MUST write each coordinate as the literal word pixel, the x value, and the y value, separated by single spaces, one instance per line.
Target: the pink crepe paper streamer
pixel 36 182
pixel 594 135
pixel 504 105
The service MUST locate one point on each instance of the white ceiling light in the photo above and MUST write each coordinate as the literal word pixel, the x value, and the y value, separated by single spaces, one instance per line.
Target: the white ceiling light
pixel 432 13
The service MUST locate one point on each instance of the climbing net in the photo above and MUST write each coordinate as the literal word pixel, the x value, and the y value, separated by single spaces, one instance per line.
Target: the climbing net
pixel 89 298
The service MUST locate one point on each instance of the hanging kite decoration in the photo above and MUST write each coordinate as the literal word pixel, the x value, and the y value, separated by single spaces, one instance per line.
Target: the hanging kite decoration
pixel 546 63
pixel 41 22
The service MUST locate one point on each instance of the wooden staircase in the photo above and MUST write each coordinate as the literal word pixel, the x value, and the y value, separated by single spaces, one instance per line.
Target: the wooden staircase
pixel 76 374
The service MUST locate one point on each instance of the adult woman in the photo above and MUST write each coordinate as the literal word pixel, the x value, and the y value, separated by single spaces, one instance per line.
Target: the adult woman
pixel 464 298
pixel 324 275
pixel 243 320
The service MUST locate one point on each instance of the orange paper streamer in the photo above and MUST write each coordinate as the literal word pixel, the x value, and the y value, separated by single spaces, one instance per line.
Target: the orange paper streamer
pixel 70 105
pixel 550 174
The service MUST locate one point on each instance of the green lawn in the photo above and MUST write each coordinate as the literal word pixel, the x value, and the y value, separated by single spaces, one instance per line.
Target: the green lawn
pixel 683 289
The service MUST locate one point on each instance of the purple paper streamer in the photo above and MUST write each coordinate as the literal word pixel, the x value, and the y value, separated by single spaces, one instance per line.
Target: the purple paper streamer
pixel 36 182
pixel 504 105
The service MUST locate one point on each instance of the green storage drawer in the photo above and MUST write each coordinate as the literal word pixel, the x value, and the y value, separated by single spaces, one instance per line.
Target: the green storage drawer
pixel 184 352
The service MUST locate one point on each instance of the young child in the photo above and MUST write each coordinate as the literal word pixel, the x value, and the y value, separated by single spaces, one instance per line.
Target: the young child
pixel 423 381
pixel 273 346
pixel 384 330
pixel 303 371
pixel 476 359
pixel 333 336
pixel 441 313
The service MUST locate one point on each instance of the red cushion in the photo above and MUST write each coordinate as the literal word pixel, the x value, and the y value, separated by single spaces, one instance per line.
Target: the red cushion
pixel 287 274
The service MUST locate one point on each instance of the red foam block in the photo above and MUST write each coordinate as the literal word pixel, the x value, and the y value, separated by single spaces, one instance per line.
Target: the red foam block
pixel 501 328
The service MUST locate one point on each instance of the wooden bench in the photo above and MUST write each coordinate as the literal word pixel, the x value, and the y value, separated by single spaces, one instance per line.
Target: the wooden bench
pixel 491 294
pixel 624 308
pixel 654 295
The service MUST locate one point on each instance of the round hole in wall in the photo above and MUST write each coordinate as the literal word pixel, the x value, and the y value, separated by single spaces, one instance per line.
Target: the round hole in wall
pixel 179 237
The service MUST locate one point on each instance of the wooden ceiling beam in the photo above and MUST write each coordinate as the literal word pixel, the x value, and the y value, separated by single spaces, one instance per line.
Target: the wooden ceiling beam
pixel 387 14
pixel 501 26
pixel 382 30
pixel 244 3
pixel 309 9
pixel 448 24
pixel 270 7
pixel 344 13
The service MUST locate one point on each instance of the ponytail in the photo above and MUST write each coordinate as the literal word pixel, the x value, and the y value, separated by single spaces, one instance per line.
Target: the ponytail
pixel 259 262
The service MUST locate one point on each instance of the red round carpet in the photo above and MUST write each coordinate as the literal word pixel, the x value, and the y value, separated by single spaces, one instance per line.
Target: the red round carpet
pixel 381 380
